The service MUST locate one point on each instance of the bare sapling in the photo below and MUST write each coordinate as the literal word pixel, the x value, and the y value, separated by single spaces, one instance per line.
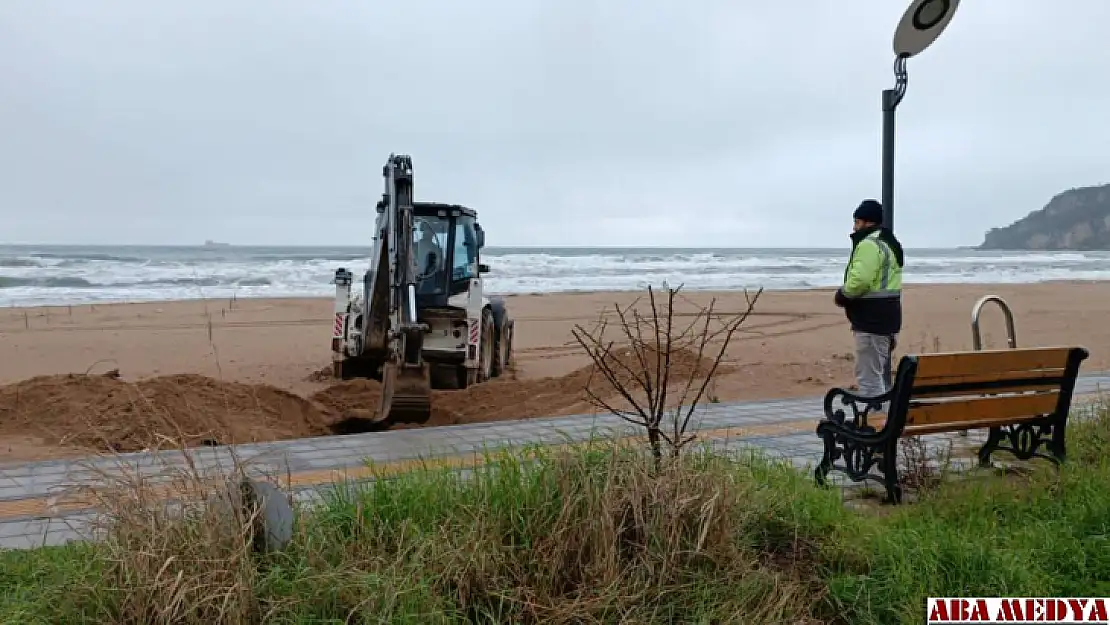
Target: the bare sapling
pixel 657 363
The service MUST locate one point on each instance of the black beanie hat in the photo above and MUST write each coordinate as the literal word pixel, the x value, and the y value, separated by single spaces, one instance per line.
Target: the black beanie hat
pixel 869 210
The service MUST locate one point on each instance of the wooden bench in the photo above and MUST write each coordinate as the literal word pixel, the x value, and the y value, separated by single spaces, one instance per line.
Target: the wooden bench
pixel 1022 395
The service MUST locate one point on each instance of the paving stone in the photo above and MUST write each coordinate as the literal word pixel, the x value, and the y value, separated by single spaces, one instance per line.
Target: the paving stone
pixel 38 532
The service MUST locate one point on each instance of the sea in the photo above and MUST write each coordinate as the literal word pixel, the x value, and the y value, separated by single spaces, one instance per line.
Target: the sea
pixel 66 275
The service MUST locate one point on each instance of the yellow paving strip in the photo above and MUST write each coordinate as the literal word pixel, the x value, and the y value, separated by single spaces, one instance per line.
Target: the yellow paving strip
pixel 58 505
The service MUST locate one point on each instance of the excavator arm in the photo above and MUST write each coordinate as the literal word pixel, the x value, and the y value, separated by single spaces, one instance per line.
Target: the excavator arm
pixel 391 326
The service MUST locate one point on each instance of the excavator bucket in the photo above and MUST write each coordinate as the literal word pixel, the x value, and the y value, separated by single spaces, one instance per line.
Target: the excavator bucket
pixel 406 394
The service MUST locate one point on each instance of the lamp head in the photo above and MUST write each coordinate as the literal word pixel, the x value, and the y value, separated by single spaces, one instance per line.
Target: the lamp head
pixel 921 24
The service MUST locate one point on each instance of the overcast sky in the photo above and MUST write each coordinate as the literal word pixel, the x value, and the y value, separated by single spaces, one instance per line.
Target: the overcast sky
pixel 564 122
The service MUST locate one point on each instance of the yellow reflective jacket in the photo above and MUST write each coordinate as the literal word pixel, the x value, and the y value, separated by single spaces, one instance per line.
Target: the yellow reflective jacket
pixel 872 289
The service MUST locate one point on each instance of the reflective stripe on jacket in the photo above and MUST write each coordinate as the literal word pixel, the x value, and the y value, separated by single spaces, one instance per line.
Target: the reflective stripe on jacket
pixel 873 286
pixel 873 271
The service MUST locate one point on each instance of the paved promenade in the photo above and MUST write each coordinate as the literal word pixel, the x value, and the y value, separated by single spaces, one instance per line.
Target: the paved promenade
pixel 39 505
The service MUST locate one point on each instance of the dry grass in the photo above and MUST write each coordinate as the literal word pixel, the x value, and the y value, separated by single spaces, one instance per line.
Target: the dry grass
pixel 921 468
pixel 176 545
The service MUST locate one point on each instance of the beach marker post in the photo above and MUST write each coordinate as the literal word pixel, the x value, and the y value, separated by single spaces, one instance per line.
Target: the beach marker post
pixel 921 24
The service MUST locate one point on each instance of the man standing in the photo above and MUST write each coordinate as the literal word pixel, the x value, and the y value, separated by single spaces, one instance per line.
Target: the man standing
pixel 872 297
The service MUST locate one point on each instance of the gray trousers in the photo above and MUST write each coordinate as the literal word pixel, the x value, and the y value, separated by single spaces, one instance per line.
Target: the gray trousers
pixel 873 356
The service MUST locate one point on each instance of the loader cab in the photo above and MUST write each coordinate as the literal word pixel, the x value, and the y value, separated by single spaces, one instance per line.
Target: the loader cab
pixel 447 241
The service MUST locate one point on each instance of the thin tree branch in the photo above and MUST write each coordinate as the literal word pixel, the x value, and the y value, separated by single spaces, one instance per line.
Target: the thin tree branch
pixel 732 328
pixel 645 385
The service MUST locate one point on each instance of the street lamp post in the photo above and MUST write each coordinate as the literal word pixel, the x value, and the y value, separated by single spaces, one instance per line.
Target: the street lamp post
pixel 920 26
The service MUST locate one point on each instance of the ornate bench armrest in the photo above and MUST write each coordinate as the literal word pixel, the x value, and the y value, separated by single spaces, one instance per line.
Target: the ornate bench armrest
pixel 860 405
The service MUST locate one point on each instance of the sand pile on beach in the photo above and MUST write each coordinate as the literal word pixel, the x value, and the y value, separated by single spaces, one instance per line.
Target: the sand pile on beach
pixel 105 413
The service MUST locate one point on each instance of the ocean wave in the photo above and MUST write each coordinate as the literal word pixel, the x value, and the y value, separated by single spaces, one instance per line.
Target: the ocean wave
pixel 63 282
pixel 87 257
pixel 88 275
pixel 19 262
pixel 9 282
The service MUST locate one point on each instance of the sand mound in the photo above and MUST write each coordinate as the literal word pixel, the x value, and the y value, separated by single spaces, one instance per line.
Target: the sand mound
pixel 505 398
pixel 683 364
pixel 502 399
pixel 105 413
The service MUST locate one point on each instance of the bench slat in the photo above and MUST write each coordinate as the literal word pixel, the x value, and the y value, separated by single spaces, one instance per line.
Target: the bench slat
pixel 978 390
pixel 981 409
pixel 920 381
pixel 940 428
pixel 993 362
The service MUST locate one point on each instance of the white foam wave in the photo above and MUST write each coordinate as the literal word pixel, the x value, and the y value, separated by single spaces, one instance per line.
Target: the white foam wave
pixel 133 274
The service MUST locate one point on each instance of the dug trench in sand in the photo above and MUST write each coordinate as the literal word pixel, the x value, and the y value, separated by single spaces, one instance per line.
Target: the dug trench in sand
pixel 216 372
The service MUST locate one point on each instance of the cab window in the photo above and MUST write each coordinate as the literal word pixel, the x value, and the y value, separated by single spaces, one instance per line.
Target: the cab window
pixel 465 254
pixel 429 241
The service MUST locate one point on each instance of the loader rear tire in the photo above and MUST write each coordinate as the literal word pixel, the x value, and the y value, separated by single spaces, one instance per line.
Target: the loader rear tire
pixel 486 348
pixel 503 353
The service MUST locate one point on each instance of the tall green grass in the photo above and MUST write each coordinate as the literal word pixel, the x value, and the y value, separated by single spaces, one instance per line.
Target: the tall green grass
pixel 594 535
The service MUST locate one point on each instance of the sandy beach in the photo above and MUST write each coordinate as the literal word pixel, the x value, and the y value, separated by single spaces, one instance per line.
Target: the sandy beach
pixel 256 361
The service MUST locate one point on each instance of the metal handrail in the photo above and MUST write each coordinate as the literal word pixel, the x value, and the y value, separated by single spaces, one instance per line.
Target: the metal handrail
pixel 977 340
pixel 1011 334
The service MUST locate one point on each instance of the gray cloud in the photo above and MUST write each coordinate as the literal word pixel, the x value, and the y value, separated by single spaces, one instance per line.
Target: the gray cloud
pixel 571 122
